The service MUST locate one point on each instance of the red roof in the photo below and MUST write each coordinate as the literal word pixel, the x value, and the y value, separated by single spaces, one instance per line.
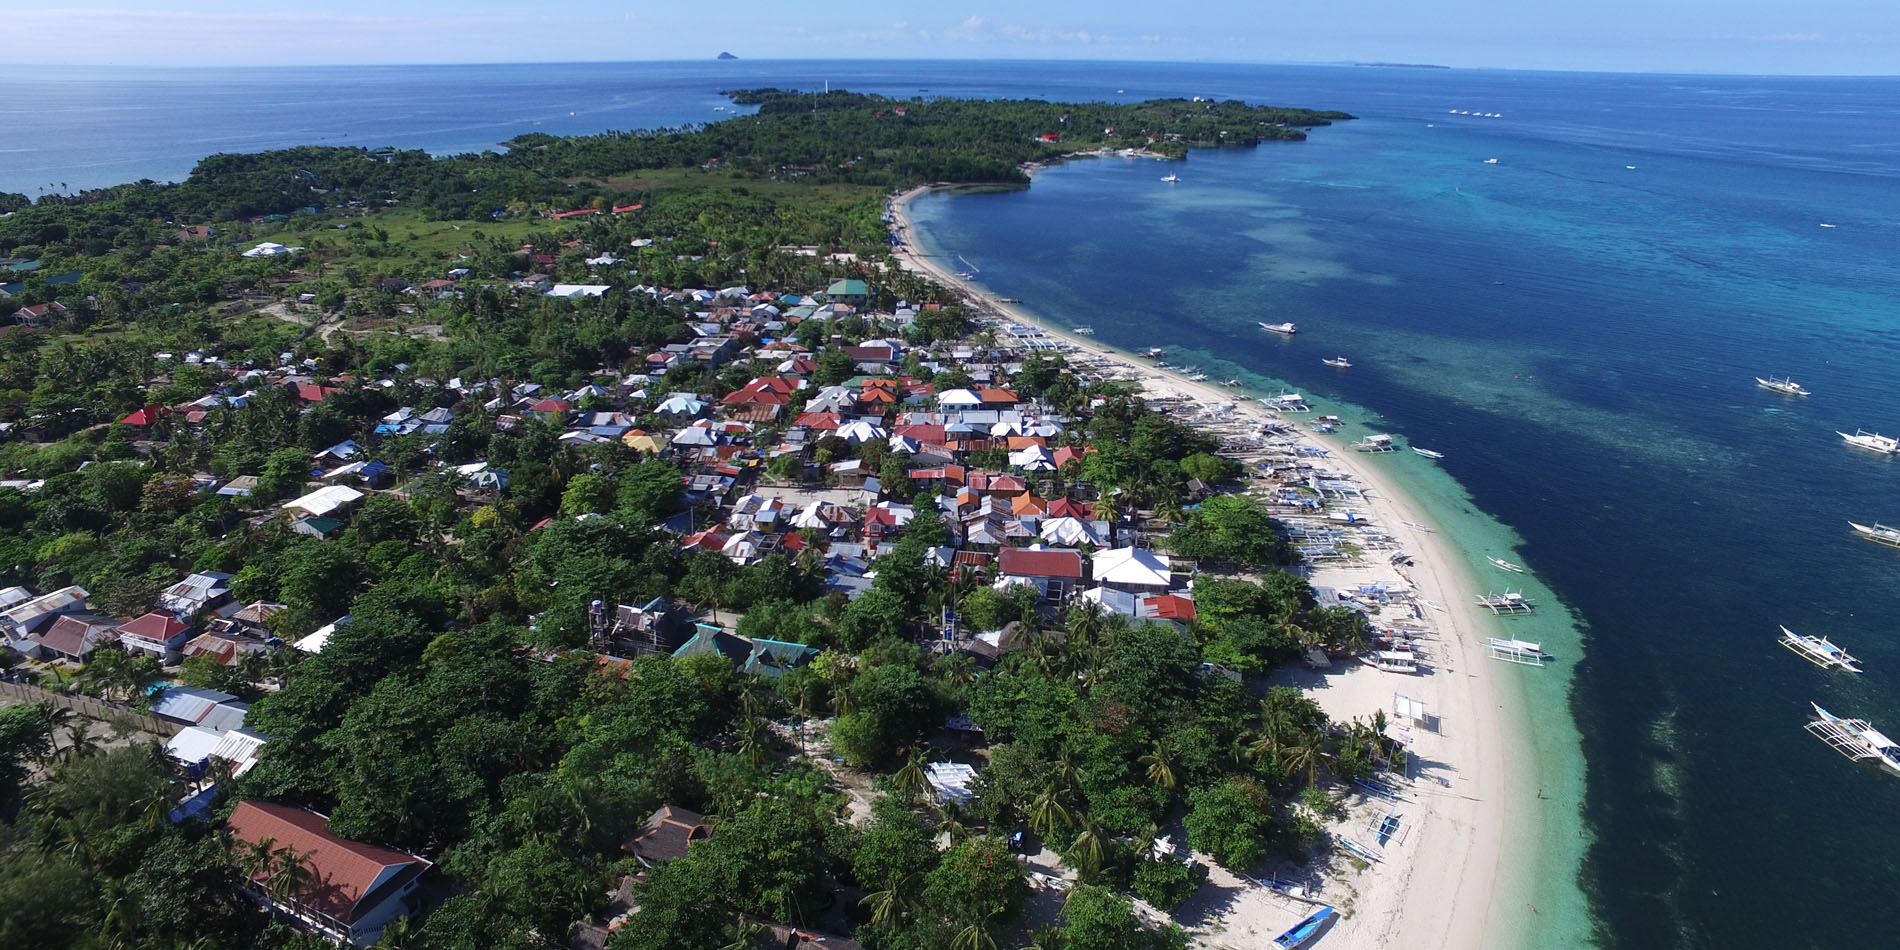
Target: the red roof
pixel 311 392
pixel 996 395
pixel 574 214
pixel 1026 563
pixel 343 881
pixel 156 625
pixel 1168 607
pixel 766 390
pixel 1065 508
pixel 622 209
pixel 145 417
pixel 551 405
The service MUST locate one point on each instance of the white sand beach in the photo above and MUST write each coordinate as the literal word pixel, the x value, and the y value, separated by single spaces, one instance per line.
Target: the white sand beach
pixel 1433 883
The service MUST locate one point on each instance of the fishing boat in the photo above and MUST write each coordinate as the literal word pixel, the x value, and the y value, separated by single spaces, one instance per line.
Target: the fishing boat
pixel 1230 382
pixel 1879 533
pixel 1415 526
pixel 1287 402
pixel 1507 565
pixel 1428 453
pixel 1300 933
pixel 1375 443
pixel 1171 178
pixel 1784 386
pixel 1085 331
pixel 1507 604
pixel 1197 377
pixel 1391 661
pixel 1516 651
pixel 1154 352
pixel 1286 328
pixel 1871 441
pixel 1855 738
pixel 1338 361
pixel 1818 651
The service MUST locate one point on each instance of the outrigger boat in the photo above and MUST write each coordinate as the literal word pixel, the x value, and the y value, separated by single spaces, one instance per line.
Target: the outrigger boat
pixel 1507 565
pixel 1303 931
pixel 1428 453
pixel 1516 651
pixel 1085 331
pixel 1375 443
pixel 1391 661
pixel 1286 328
pixel 1855 738
pixel 1338 361
pixel 1818 651
pixel 1507 604
pixel 1784 386
pixel 1871 441
pixel 1879 533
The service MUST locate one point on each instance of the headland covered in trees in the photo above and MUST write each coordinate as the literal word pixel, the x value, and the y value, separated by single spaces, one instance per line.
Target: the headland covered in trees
pixel 614 542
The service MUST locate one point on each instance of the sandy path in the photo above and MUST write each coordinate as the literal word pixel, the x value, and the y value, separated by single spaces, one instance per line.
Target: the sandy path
pixel 1433 886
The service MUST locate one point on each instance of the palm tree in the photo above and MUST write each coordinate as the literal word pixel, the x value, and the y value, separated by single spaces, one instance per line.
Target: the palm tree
pixel 889 905
pixel 80 741
pixel 1088 849
pixel 54 718
pixel 1302 755
pixel 1047 814
pixel 976 936
pixel 911 781
pixel 748 936
pixel 1160 770
pixel 290 875
pixel 950 822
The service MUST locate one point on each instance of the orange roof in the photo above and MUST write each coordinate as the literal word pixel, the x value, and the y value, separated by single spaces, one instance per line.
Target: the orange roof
pixel 1027 504
pixel 1027 441
pixel 996 395
pixel 343 874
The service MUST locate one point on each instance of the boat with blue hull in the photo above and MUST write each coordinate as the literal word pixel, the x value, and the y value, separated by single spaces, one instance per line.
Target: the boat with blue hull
pixel 1305 930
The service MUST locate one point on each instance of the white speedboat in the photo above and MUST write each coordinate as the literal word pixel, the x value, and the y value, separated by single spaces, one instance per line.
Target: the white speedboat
pixel 1338 361
pixel 1855 738
pixel 1506 565
pixel 1428 453
pixel 1879 533
pixel 1171 178
pixel 1286 328
pixel 1871 441
pixel 1490 161
pixel 1818 651
pixel 1784 386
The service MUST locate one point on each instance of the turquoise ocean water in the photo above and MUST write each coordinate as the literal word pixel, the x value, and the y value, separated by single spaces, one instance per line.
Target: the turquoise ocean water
pixel 1578 336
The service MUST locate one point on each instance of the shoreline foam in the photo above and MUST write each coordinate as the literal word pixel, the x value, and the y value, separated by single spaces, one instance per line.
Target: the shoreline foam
pixel 1448 885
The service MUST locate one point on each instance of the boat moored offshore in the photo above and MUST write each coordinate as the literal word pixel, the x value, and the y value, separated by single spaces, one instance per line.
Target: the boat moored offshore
pixel 1428 453
pixel 1506 565
pixel 1879 533
pixel 1855 738
pixel 1338 361
pixel 1784 385
pixel 1818 651
pixel 1375 443
pixel 1287 328
pixel 1872 441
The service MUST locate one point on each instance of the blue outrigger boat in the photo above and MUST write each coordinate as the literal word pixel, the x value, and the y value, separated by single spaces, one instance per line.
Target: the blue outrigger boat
pixel 1304 930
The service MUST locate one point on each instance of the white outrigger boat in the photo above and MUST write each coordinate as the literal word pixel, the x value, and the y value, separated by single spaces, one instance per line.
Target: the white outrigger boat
pixel 1085 331
pixel 1391 661
pixel 1855 738
pixel 1784 386
pixel 1507 565
pixel 1338 361
pixel 1818 651
pixel 1879 533
pixel 1516 651
pixel 1375 443
pixel 1507 604
pixel 1286 328
pixel 1871 441
pixel 1428 453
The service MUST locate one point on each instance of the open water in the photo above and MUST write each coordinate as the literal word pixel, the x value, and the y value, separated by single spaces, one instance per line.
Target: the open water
pixel 1578 336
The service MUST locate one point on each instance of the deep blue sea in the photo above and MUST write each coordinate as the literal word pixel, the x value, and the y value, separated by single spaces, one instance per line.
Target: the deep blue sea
pixel 1577 327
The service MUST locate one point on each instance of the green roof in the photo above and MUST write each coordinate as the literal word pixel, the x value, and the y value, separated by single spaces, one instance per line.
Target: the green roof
pixel 321 525
pixel 845 288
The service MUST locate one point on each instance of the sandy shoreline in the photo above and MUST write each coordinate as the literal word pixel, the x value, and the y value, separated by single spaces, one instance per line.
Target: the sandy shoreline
pixel 1434 885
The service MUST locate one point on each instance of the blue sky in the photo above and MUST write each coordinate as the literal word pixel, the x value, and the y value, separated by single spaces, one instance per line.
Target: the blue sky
pixel 1736 36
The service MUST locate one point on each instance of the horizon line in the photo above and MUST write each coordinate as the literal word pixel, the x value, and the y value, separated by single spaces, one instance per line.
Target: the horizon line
pixel 1340 63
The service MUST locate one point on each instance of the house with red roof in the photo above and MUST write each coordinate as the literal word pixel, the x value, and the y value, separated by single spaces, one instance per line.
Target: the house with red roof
pixel 311 392
pixel 38 315
pixel 351 891
pixel 146 416
pixel 158 634
pixel 1055 572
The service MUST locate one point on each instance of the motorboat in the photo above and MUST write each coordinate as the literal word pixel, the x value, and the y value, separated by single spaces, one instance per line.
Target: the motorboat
pixel 1784 386
pixel 1338 361
pixel 1871 441
pixel 1171 178
pixel 1819 651
pixel 1855 738
pixel 1506 565
pixel 1428 453
pixel 1286 328
pixel 1878 533
pixel 1391 661
pixel 1490 161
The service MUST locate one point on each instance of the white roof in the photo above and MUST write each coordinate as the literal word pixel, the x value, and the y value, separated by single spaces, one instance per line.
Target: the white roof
pixel 571 291
pixel 325 500
pixel 315 642
pixel 860 430
pixel 1069 532
pixel 1133 566
pixel 951 781
pixel 959 397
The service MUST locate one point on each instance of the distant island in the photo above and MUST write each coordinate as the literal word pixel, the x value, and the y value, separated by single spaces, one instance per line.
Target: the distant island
pixel 726 56
pixel 1405 65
